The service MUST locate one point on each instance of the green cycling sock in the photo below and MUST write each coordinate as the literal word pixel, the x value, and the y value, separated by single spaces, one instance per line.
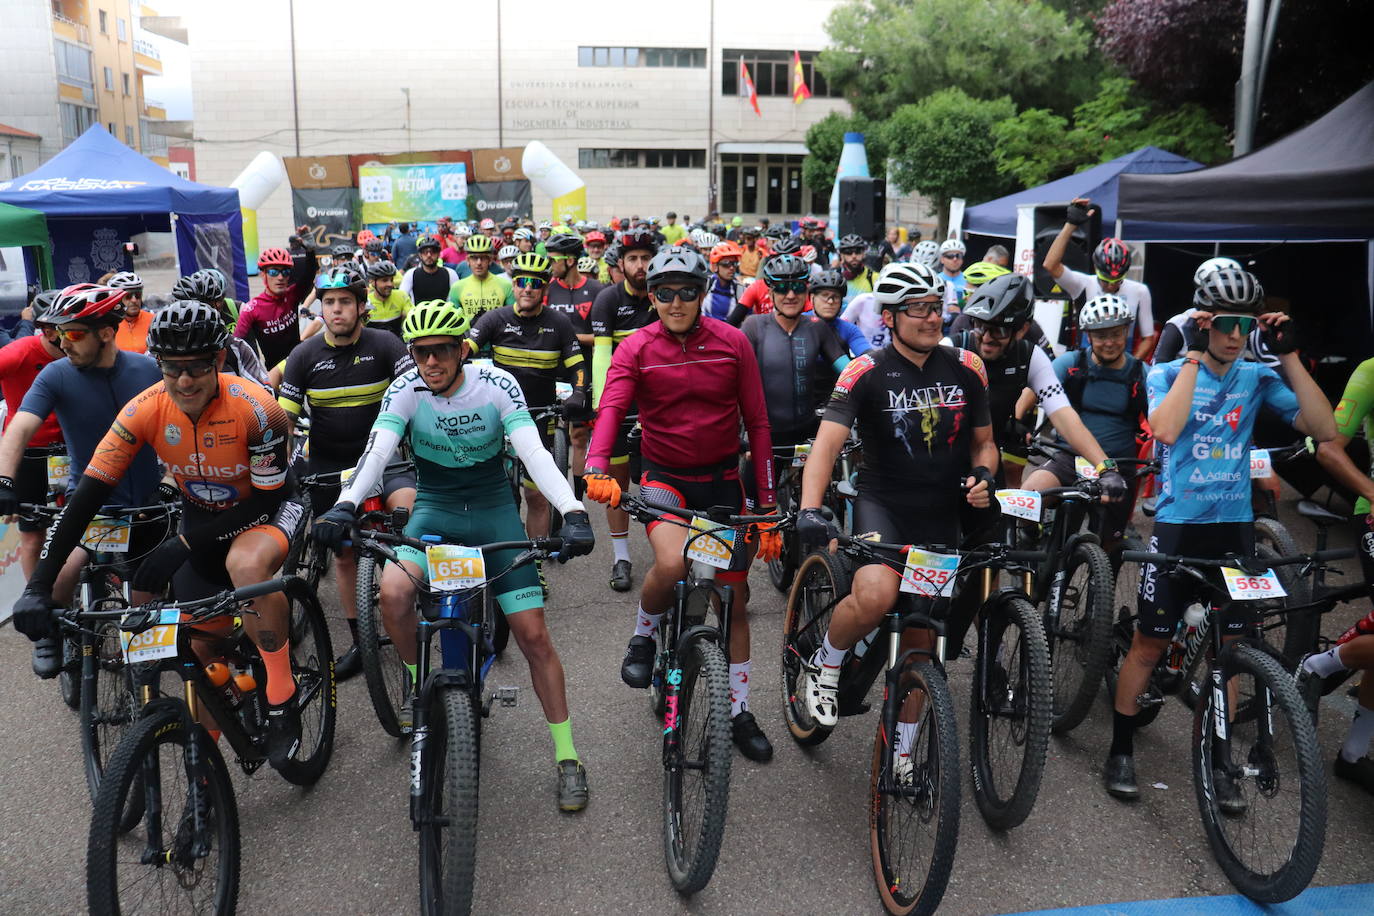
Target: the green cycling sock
pixel 562 741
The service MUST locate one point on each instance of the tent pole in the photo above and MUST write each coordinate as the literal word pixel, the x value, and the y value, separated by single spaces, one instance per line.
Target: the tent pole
pixel 1271 27
pixel 295 98
pixel 1247 95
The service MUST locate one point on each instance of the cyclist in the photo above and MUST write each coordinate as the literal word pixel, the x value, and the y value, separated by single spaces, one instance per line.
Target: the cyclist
pixel 373 251
pixel 1111 261
pixel 610 267
pixel 207 286
pixel 133 330
pixel 673 233
pixel 572 291
pixel 341 376
pixel 757 298
pixel 480 291
pixel 596 247
pixel 1355 648
pixel 695 381
pixel 269 321
pixel 860 276
pixel 1171 341
pixel 386 305
pixel 751 252
pixel 951 271
pixel 827 293
pixel 983 272
pixel 523 239
pixel 224 441
pixel 430 279
pixel 505 258
pixel 456 417
pixel 1105 386
pixel 922 412
pixel 725 288
pixel 1202 409
pixel 618 312
pixel 536 345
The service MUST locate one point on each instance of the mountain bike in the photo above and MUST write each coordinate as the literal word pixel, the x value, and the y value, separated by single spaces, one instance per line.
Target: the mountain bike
pixel 788 462
pixel 183 852
pixel 449 703
pixel 690 688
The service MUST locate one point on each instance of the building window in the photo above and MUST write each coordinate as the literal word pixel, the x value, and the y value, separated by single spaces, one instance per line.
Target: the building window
pixel 128 135
pixel 18 165
pixel 772 73
pixel 123 28
pixel 126 83
pixel 151 144
pixel 74 68
pixel 769 184
pixel 641 158
pixel 104 23
pixel 109 79
pixel 75 120
pixel 640 57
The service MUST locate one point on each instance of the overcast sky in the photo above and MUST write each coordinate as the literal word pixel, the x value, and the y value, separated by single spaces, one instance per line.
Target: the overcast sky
pixel 173 88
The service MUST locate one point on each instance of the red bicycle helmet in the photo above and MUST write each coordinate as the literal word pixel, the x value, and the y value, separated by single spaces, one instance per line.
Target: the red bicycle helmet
pixel 87 303
pixel 1111 260
pixel 275 257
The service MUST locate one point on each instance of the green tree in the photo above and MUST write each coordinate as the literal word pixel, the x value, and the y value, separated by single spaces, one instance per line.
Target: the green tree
pixel 825 139
pixel 886 53
pixel 942 147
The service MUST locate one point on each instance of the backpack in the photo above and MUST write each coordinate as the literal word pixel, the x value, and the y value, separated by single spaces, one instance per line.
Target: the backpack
pixel 1076 381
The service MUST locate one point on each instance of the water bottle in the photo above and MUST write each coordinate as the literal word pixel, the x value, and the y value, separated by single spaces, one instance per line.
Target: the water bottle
pixel 1193 619
pixel 222 677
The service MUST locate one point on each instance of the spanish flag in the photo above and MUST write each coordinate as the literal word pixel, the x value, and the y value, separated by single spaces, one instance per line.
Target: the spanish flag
pixel 746 83
pixel 799 91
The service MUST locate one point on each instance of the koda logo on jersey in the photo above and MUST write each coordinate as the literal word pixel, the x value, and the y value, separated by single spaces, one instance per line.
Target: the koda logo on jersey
pixel 930 396
pixel 1201 450
pixel 455 422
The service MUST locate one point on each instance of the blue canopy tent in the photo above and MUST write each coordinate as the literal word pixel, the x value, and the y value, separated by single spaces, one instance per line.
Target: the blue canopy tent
pixel 97 193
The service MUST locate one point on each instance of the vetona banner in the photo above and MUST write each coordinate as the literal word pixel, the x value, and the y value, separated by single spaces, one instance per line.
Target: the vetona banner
pixel 413 192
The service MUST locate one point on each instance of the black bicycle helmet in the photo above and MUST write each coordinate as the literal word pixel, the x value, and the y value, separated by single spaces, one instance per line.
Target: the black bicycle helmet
pixel 42 303
pixel 342 252
pixel 853 242
pixel 374 246
pixel 1007 301
pixel 427 241
pixel 564 243
pixel 186 327
pixel 678 264
pixel 636 239
pixel 343 276
pixel 612 256
pixel 783 268
pixel 379 269
pixel 777 232
pixel 1231 289
pixel 203 286
pixel 830 279
pixel 788 244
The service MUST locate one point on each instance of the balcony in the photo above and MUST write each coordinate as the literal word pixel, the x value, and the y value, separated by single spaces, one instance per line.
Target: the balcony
pixel 147 58
pixel 172 27
pixel 150 143
pixel 70 30
pixel 154 110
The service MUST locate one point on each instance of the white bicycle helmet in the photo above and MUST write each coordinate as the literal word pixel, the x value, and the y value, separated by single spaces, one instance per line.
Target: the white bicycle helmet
pixel 126 279
pixel 899 282
pixel 523 233
pixel 1104 311
pixel 507 252
pixel 1212 264
pixel 1232 290
pixel 926 252
pixel 952 245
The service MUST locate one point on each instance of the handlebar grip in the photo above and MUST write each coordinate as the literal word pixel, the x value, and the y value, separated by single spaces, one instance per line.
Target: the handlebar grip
pixel 1142 556
pixel 249 592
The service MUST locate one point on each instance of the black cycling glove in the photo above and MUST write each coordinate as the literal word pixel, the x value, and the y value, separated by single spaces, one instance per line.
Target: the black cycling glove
pixel 1195 337
pixel 333 527
pixel 33 614
pixel 578 539
pixel 1281 338
pixel 1078 214
pixel 814 530
pixel 9 499
pixel 1113 485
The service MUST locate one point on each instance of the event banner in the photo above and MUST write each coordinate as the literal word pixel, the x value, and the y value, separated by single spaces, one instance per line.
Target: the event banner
pixel 500 199
pixel 413 192
pixel 330 214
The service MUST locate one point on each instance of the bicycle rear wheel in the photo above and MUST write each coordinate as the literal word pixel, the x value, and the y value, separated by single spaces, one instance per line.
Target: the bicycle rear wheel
pixel 1009 719
pixel 696 787
pixel 312 663
pixel 1294 636
pixel 1124 605
pixel 383 670
pixel 69 679
pixel 914 822
pixel 305 558
pixel 821 581
pixel 1080 644
pixel 448 829
pixel 1270 850
pixel 170 863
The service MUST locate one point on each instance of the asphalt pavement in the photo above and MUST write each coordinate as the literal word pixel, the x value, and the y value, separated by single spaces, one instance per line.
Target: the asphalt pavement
pixel 796 841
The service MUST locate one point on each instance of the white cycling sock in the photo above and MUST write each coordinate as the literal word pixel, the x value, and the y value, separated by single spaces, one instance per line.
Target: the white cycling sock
pixel 646 624
pixel 906 737
pixel 739 687
pixel 1357 739
pixel 620 543
pixel 1325 664
pixel 828 655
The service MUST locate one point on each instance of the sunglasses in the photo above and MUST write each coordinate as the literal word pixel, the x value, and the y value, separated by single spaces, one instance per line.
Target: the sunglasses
pixel 195 368
pixel 919 309
pixel 72 333
pixel 442 352
pixel 784 287
pixel 529 282
pixel 998 331
pixel 559 257
pixel 1228 323
pixel 341 281
pixel 952 255
pixel 278 271
pixel 666 294
pixel 727 264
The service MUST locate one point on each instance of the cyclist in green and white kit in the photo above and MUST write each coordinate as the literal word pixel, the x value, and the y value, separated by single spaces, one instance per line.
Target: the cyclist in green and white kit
pixel 455 418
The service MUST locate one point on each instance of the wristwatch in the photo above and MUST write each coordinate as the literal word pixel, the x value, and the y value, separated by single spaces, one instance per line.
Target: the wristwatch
pixel 1107 464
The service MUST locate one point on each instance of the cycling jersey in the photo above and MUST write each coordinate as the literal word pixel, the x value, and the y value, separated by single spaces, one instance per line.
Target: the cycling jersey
pixel 616 314
pixel 20 363
pixel 866 315
pixel 849 335
pixel 757 298
pixel 476 296
pixel 537 350
pixel 792 365
pixel 343 386
pixel 1022 365
pixel 1355 411
pixel 861 282
pixel 955 289
pixel 916 423
pixel 749 261
pixel 576 303
pixel 1205 475
pixel 270 321
pixel 1137 296
pixel 692 394
pixel 721 298
pixel 133 336
pixel 241 359
pixel 393 308
pixel 1110 401
pixel 422 286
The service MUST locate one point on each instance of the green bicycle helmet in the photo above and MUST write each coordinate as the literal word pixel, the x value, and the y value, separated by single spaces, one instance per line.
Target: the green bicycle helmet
pixel 435 318
pixel 530 264
pixel 981 272
pixel 478 244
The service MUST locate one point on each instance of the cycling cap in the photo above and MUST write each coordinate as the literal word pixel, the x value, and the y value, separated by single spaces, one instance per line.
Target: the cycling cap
pixel 1007 301
pixel 724 251
pixel 380 269
pixel 586 264
pixel 478 244
pixel 638 240
pixel 784 268
pixel 1203 269
pixel 564 244
pixel 276 257
pixel 981 272
pixel 435 318
pixel 204 285
pixel 927 253
pixel 127 280
pixel 899 282
pixel 87 303
pixel 344 276
pixel 1232 290
pixel 427 241
pixel 853 242
pixel 830 279
pixel 530 264
pixel 949 245
pixel 677 264
pixel 507 252
pixel 186 327
pixel 1104 311
pixel 1111 259
pixel 788 244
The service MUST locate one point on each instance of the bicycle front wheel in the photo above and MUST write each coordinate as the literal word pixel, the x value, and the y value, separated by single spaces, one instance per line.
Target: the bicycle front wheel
pixel 69 679
pixel 312 663
pixel 108 703
pixel 914 814
pixel 696 785
pixel 821 581
pixel 1010 712
pixel 1264 806
pixel 448 827
pixel 383 670
pixel 184 857
pixel 1080 638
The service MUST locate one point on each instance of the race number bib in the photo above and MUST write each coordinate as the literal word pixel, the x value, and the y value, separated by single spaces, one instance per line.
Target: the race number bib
pixel 1020 504
pixel 716 548
pixel 1261 466
pixel 930 575
pixel 453 568
pixel 562 390
pixel 108 535
pixel 799 454
pixel 1084 468
pixel 59 472
pixel 1245 586
pixel 158 641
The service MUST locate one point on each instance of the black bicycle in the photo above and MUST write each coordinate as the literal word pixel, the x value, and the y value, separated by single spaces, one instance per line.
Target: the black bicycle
pixel 168 769
pixel 788 462
pixel 447 707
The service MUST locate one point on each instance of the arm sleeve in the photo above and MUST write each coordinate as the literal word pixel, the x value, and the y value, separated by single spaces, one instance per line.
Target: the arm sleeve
pixel 1170 346
pixel 755 414
pixel 539 463
pixel 90 494
pixel 291 395
pixel 738 313
pixel 1045 383
pixel 381 443
pixel 303 278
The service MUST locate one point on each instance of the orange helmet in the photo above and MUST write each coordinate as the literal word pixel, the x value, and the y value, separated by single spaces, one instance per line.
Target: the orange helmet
pixel 365 236
pixel 726 250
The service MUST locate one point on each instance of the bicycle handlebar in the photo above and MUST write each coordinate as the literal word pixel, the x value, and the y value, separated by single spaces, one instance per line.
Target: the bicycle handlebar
pixel 1235 561
pixel 542 545
pixel 646 511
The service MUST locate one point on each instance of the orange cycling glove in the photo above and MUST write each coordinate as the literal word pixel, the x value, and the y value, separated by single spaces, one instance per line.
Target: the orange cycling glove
pixel 602 488
pixel 769 538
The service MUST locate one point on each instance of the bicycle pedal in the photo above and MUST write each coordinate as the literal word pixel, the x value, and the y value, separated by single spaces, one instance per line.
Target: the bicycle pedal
pixel 845 488
pixel 1145 701
pixel 507 696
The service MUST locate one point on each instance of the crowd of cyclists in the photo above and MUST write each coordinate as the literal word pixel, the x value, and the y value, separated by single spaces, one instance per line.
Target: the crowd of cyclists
pixel 678 358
